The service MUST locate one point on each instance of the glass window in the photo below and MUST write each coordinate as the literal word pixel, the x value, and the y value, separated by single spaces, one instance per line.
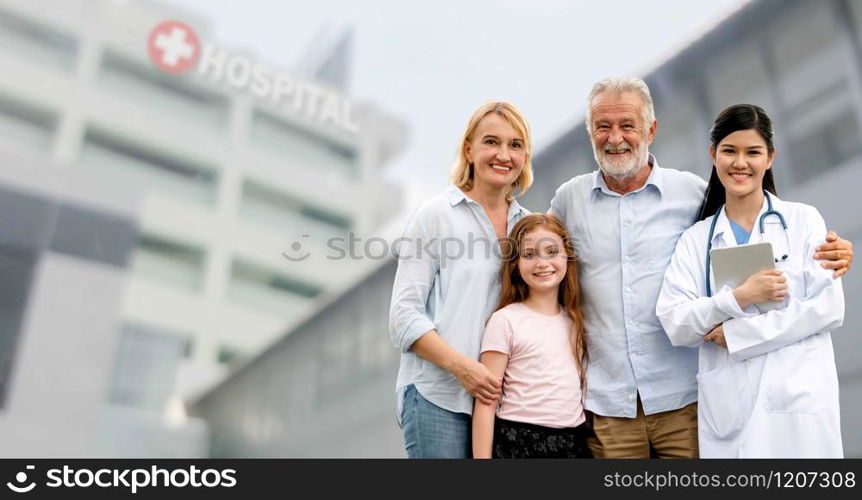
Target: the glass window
pixel 808 55
pixel 228 354
pixel 819 123
pixel 145 365
pixel 188 348
pixel 120 160
pixel 375 351
pixel 338 360
pixel 16 273
pixel 566 157
pixel 175 97
pixel 736 74
pixel 169 262
pixel 819 143
pixel 262 288
pixel 681 141
pixel 36 42
pixel 26 127
pixel 856 17
pixel 302 147
pixel 284 213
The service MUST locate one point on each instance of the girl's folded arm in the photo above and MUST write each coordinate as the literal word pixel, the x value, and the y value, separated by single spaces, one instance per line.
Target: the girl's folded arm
pixel 483 414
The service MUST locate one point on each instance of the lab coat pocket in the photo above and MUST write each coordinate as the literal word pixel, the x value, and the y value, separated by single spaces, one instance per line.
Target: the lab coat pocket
pixel 794 378
pixel 724 400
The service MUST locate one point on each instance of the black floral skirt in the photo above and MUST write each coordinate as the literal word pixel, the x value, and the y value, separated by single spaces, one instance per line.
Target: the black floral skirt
pixel 522 440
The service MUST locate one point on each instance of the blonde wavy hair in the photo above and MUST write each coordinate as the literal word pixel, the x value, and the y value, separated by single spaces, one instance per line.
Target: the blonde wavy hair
pixel 462 170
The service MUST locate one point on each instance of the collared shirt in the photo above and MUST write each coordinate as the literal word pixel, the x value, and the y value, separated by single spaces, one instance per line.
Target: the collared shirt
pixel 624 244
pixel 448 280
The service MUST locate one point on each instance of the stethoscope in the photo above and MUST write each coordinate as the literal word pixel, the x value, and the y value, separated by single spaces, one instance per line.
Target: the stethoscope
pixel 769 211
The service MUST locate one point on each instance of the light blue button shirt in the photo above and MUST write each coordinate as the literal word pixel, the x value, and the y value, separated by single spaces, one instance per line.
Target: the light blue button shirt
pixel 448 279
pixel 625 243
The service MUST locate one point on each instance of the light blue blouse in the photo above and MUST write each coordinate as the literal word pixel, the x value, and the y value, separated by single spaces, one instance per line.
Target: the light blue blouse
pixel 447 280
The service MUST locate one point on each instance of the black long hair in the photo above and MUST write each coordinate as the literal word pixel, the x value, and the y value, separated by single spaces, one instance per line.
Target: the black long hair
pixel 733 119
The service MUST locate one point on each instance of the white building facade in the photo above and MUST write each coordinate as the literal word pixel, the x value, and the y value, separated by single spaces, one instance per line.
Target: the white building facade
pixel 224 183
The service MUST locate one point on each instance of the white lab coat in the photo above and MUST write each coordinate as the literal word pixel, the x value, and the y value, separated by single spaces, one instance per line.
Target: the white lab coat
pixel 774 391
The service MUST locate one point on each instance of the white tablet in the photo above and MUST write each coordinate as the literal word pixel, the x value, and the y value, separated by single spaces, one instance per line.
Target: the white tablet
pixel 733 265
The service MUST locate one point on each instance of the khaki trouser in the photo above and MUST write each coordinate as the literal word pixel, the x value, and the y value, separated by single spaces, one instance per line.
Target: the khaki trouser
pixel 670 434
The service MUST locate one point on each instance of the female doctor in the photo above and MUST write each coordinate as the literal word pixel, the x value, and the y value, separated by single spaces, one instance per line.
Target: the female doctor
pixel 767 383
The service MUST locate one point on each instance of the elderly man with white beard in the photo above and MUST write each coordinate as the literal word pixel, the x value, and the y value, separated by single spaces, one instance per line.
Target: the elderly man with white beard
pixel 625 219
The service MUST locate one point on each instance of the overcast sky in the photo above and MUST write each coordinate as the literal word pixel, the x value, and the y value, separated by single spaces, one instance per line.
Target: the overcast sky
pixel 432 63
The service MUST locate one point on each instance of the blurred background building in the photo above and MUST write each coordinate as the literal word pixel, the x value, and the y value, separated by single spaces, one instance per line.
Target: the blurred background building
pixel 144 220
pixel 327 389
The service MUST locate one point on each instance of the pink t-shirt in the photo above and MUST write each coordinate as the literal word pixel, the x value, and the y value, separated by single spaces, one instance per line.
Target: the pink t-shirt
pixel 541 385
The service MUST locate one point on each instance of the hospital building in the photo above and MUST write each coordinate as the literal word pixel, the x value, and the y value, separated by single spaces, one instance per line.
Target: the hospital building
pixel 157 229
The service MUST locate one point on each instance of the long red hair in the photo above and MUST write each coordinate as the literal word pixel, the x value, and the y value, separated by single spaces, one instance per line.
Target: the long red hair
pixel 514 289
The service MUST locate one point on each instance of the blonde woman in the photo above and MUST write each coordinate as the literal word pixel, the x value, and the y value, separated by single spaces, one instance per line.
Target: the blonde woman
pixel 447 284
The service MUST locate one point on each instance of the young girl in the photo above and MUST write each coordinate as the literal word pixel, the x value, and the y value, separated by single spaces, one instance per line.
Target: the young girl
pixel 767 383
pixel 535 342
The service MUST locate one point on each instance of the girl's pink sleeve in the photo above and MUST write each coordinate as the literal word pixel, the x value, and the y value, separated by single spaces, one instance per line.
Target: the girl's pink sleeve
pixel 498 334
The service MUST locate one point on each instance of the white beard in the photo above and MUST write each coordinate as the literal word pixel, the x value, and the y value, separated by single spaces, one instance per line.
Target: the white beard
pixel 623 168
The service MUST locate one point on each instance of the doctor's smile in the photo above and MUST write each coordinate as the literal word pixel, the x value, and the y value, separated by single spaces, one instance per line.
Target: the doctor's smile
pixel 742 159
